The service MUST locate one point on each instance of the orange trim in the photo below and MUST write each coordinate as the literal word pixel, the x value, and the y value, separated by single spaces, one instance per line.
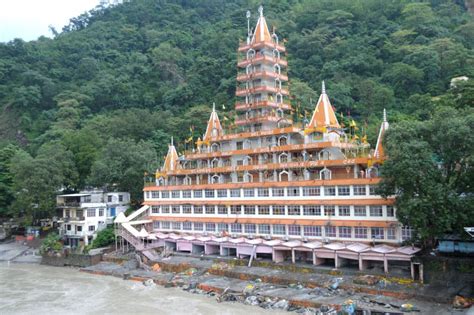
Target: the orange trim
pixel 307 183
pixel 244 47
pixel 277 221
pixel 264 58
pixel 369 202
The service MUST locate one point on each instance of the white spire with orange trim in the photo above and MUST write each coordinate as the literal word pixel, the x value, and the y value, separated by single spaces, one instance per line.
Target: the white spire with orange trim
pixel 379 151
pixel 261 32
pixel 324 115
pixel 171 158
pixel 213 124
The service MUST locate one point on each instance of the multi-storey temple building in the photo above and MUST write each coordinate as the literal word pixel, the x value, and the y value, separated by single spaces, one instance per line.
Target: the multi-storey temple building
pixel 271 186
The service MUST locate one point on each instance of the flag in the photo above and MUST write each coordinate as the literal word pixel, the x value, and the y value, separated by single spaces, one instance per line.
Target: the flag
pixel 190 139
pixel 364 139
pixel 353 123
pixel 223 106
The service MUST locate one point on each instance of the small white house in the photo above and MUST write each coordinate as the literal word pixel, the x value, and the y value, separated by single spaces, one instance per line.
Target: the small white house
pixel 84 214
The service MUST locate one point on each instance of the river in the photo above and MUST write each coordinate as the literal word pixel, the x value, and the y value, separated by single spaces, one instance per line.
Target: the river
pixel 38 289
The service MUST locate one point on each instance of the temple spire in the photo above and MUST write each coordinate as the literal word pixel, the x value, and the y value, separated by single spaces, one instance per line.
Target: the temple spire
pixel 324 115
pixel 214 127
pixel 379 150
pixel 261 33
pixel 171 158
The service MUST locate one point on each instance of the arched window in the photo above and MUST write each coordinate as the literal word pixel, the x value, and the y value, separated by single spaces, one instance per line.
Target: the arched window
pixel 275 38
pixel 279 112
pixel 276 53
pixel 283 176
pixel 160 181
pixel 283 158
pixel 324 155
pixel 325 174
pixel 248 178
pixel 215 146
pixel 277 83
pixel 250 53
pixel 187 180
pixel 373 172
pixel 283 140
pixel 277 68
pixel 279 98
pixel 248 69
pixel 215 163
pixel 215 179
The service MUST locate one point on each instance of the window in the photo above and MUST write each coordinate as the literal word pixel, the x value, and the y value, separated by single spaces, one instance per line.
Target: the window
pixel 209 193
pixel 109 198
pixel 222 209
pixel 221 227
pixel 249 192
pixel 264 229
pixel 235 210
pixel 310 230
pixel 210 209
pixel 343 190
pixel 360 211
pixel 165 209
pixel 279 229
pixel 390 211
pixel 376 211
pixel 165 194
pixel 155 194
pixel 165 225
pixel 197 193
pixel 155 209
pixel 222 193
pixel 360 232
pixel 345 231
pixel 197 209
pixel 294 210
pixel 198 226
pixel 120 198
pixel 249 210
pixel 264 210
pixel 372 189
pixel 91 213
pixel 278 192
pixel 210 227
pixel 359 190
pixel 250 228
pixel 329 210
pixel 239 145
pixel 311 191
pixel 101 212
pixel 187 209
pixel 186 193
pixel 263 192
pixel 407 233
pixel 175 209
pixel 293 191
pixel 235 193
pixel 377 233
pixel 147 195
pixel 294 230
pixel 156 225
pixel 236 228
pixel 91 228
pixel 329 191
pixel 68 227
pixel 176 225
pixel 330 231
pixel 175 194
pixel 391 234
pixel 278 210
pixel 187 226
pixel 311 210
pixel 344 211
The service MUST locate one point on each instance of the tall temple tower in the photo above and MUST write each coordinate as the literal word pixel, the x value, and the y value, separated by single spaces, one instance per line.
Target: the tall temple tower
pixel 262 80
pixel 269 188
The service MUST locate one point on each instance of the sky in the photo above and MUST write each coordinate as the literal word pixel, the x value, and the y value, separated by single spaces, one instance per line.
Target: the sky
pixel 29 19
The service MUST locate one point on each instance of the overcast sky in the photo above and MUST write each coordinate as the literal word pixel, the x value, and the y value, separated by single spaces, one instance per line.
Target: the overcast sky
pixel 29 19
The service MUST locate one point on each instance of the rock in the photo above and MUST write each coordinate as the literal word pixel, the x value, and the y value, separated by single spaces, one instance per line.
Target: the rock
pixel 149 283
pixel 190 271
pixel 156 268
pixel 299 287
pixel 460 302
pixel 193 285
pixel 220 266
pixel 251 300
pixel 258 280
pixel 281 304
pixel 406 307
pixel 126 276
pixel 366 280
pixel 335 283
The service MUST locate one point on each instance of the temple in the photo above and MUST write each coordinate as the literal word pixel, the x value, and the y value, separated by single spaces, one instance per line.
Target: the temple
pixel 269 187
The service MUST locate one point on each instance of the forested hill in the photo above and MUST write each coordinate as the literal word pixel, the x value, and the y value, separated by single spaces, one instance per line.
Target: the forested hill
pixel 98 103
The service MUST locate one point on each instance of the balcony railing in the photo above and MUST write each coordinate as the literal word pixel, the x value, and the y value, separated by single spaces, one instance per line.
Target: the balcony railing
pixel 262 103
pixel 69 204
pixel 259 74
pixel 259 89
pixel 262 58
pixel 243 47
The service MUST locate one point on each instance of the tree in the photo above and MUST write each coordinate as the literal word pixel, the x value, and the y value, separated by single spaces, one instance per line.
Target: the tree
pixel 6 179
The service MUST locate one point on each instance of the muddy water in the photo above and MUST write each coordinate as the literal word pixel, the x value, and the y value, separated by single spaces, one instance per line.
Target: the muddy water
pixel 36 289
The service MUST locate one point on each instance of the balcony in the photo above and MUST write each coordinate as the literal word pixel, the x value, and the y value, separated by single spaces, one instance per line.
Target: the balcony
pixel 71 219
pixel 262 59
pixel 261 117
pixel 262 74
pixel 69 204
pixel 243 47
pixel 266 103
pixel 259 89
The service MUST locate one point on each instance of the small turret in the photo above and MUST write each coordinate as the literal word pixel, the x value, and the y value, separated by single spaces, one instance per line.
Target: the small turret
pixel 379 151
pixel 323 116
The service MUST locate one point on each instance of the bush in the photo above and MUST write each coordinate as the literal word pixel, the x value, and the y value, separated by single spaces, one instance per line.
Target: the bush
pixel 104 238
pixel 51 243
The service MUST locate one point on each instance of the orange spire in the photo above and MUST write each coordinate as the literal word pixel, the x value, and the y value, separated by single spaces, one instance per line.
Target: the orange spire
pixel 324 115
pixel 261 33
pixel 171 158
pixel 379 151
pixel 213 124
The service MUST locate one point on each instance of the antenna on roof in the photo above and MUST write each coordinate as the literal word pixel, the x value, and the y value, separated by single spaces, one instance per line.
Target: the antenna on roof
pixel 260 10
pixel 213 106
pixel 172 141
pixel 384 115
pixel 323 88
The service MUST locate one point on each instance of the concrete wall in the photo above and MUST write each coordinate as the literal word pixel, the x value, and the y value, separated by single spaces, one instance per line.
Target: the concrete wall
pixel 76 260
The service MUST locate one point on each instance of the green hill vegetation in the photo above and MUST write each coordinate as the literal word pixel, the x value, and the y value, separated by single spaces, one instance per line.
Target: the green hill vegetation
pixel 98 103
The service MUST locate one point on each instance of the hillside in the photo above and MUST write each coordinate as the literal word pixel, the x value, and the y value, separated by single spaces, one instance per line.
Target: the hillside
pixel 98 103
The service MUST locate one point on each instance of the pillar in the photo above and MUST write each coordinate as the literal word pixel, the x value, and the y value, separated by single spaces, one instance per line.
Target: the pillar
pixel 385 264
pixel 362 264
pixel 293 258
